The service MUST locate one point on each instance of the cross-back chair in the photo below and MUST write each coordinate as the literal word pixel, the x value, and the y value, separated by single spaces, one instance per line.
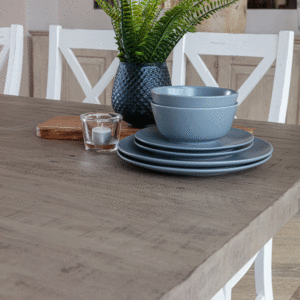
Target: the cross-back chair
pixel 61 41
pixel 11 38
pixel 263 276
pixel 270 47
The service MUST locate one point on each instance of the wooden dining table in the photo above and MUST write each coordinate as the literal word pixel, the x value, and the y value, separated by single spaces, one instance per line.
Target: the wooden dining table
pixel 77 224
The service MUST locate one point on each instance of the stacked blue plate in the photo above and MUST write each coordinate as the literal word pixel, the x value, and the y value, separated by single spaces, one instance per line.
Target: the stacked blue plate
pixel 238 150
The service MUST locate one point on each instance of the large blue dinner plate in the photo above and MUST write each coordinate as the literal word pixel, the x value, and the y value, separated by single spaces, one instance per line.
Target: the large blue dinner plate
pixel 259 150
pixel 192 171
pixel 235 138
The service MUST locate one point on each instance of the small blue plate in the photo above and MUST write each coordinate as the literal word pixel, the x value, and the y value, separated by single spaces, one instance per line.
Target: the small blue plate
pixel 235 138
pixel 192 171
pixel 181 153
pixel 260 150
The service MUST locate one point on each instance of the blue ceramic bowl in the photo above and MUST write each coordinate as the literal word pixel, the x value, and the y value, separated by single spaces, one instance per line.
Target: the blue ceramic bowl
pixel 193 96
pixel 188 125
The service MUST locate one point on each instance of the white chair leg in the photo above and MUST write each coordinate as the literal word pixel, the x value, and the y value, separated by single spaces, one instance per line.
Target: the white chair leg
pixel 263 276
pixel 227 291
pixel 219 295
pixel 263 273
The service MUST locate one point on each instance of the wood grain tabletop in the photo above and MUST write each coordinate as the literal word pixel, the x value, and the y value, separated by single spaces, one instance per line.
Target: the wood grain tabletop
pixel 75 224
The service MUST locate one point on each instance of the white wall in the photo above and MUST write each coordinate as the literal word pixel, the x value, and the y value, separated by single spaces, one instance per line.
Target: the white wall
pixel 81 14
pixel 39 14
pixel 271 20
pixel 69 14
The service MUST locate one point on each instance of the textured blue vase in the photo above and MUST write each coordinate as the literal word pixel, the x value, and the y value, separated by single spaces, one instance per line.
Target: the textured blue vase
pixel 131 94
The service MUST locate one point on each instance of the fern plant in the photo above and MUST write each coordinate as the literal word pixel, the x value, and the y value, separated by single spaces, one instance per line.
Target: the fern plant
pixel 144 36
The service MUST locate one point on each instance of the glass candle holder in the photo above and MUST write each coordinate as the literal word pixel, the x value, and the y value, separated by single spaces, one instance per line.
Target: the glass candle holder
pixel 101 131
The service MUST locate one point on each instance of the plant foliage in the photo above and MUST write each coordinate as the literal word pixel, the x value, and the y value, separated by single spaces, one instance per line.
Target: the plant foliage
pixel 144 36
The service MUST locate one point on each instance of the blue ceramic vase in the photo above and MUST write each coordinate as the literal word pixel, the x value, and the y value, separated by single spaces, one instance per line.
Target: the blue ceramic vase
pixel 131 94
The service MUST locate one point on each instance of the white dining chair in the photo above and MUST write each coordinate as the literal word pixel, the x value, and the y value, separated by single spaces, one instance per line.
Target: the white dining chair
pixel 263 276
pixel 270 47
pixel 61 41
pixel 11 38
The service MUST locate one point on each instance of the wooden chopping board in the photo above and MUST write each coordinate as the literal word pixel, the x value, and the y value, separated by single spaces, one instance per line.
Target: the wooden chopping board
pixel 69 128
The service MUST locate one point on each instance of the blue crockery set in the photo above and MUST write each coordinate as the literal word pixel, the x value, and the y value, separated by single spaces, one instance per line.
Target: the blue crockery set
pixel 193 135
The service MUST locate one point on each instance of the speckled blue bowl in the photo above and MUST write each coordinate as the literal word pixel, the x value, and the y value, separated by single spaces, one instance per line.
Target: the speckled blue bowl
pixel 189 125
pixel 193 96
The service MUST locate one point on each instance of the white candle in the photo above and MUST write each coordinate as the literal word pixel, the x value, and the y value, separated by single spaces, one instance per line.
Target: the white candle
pixel 101 135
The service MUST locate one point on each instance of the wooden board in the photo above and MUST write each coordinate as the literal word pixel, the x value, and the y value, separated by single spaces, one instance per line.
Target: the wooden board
pixel 69 128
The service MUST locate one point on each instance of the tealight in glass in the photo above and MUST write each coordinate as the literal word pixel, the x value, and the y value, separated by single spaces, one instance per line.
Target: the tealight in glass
pixel 101 131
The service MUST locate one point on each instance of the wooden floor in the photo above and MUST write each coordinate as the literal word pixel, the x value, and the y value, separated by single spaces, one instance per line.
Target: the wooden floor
pixel 286 266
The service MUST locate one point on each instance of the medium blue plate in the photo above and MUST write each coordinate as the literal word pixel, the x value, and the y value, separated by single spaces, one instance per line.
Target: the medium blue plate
pixel 235 138
pixel 181 153
pixel 258 151
pixel 192 171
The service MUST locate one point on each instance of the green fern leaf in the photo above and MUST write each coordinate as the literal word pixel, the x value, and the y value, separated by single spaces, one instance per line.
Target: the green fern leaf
pixel 143 36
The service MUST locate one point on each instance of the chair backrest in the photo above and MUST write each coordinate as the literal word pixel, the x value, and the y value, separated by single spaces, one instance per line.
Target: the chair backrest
pixel 11 38
pixel 270 47
pixel 61 41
